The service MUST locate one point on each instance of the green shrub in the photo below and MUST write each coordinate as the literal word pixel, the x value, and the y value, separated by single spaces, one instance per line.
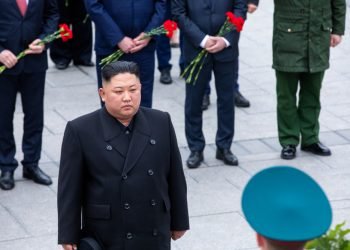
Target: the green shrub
pixel 335 239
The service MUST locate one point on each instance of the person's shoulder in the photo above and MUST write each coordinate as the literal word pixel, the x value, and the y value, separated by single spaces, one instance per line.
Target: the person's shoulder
pixel 85 119
pixel 153 112
pixel 155 116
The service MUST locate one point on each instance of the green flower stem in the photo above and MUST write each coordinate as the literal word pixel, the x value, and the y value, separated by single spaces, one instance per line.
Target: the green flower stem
pixel 195 65
pixel 21 55
pixel 200 67
pixel 47 39
pixel 192 63
pixel 155 32
pixel 199 60
pixel 86 18
pixel 111 58
pixel 115 56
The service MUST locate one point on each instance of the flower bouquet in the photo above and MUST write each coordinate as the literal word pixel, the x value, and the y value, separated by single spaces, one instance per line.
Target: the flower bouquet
pixel 64 32
pixel 167 28
pixel 231 23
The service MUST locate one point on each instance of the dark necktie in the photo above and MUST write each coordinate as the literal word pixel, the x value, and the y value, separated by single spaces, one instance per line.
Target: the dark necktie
pixel 22 5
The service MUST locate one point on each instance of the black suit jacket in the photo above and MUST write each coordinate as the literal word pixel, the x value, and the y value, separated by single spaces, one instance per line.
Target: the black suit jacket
pixel 127 202
pixel 205 17
pixel 256 2
pixel 115 19
pixel 17 32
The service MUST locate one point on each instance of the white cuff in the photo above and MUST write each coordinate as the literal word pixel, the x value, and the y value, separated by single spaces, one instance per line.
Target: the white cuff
pixel 227 42
pixel 204 41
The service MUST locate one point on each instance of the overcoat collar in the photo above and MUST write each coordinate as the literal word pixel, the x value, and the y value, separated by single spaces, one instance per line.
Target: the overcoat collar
pixel 139 140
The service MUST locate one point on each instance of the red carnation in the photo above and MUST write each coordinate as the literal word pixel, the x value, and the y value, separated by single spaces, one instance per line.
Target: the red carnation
pixel 238 22
pixel 169 34
pixel 170 27
pixel 65 32
pixel 230 16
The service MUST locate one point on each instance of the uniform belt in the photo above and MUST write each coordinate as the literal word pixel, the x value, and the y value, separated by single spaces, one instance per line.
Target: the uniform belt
pixel 299 12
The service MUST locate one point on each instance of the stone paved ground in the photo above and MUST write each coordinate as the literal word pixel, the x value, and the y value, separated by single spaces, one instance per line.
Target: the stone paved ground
pixel 28 213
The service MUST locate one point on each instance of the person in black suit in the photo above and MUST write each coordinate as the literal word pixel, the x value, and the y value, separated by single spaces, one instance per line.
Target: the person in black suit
pixel 79 49
pixel 200 22
pixel 23 24
pixel 240 100
pixel 121 25
pixel 121 167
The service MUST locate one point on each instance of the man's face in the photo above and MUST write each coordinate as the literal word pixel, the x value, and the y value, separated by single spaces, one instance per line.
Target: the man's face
pixel 122 96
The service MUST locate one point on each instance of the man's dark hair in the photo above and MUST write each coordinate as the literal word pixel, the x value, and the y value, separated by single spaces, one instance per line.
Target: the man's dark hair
pixel 119 67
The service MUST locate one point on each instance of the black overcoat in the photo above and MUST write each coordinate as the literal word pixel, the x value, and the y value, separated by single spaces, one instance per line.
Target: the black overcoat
pixel 127 202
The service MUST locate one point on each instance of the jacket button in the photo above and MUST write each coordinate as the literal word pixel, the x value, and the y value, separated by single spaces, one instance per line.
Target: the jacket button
pixel 124 177
pixel 153 203
pixel 289 30
pixel 109 147
pixel 153 142
pixel 155 232
pixel 129 236
pixel 126 206
pixel 150 172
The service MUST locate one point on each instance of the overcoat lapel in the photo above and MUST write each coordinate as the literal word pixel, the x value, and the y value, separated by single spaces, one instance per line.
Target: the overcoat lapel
pixel 139 141
pixel 111 131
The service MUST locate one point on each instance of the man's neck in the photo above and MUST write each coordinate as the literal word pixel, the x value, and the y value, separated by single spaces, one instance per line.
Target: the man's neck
pixel 124 122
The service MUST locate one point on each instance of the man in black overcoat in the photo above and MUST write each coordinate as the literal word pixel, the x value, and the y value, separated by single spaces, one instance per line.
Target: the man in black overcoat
pixel 121 169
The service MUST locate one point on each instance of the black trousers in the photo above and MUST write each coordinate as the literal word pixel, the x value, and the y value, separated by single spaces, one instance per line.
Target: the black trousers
pixel 79 49
pixel 31 88
pixel 224 78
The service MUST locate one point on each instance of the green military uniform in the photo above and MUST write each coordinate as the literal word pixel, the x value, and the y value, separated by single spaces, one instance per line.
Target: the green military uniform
pixel 301 44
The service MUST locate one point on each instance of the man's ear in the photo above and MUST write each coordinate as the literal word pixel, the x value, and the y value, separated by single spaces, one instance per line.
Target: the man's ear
pixel 101 92
pixel 260 240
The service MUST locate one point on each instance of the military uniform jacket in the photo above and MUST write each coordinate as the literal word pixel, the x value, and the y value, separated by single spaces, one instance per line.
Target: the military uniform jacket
pixel 129 202
pixel 301 33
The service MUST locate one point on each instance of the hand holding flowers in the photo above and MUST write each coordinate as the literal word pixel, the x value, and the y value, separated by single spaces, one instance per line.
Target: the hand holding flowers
pixel 140 42
pixel 214 44
pixel 217 44
pixel 8 59
pixel 128 45
pixel 36 47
